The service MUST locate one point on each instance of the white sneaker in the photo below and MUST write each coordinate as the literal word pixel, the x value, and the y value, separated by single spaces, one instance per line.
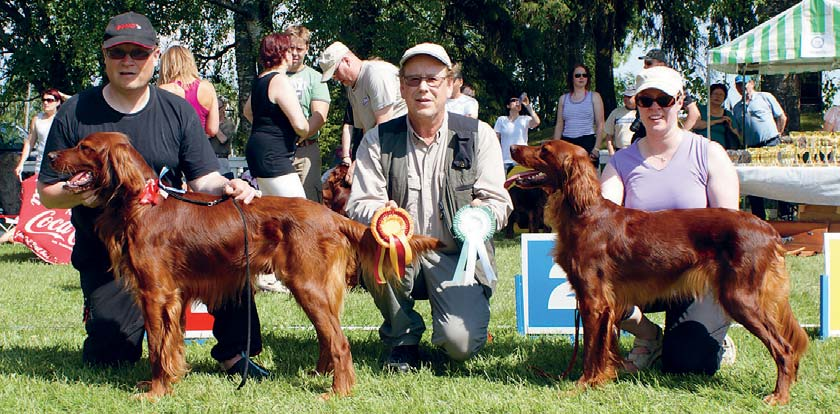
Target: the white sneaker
pixel 269 283
pixel 729 351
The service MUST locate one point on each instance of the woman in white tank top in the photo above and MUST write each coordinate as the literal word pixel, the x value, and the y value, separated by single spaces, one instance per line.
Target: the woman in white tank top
pixel 580 113
pixel 39 128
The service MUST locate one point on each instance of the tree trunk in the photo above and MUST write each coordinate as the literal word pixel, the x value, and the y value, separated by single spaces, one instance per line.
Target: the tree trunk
pixel 251 23
pixel 603 30
pixel 787 90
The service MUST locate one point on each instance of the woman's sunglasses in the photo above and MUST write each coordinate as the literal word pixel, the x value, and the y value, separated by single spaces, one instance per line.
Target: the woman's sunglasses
pixel 49 100
pixel 581 75
pixel 664 101
pixel 136 54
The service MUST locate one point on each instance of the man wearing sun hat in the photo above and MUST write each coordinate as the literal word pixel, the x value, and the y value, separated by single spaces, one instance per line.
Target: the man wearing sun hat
pixel 372 85
pixel 617 127
pixel 431 163
pixel 762 126
pixel 166 131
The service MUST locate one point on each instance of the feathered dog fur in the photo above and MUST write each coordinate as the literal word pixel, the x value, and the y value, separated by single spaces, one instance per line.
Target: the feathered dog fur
pixel 174 252
pixel 617 257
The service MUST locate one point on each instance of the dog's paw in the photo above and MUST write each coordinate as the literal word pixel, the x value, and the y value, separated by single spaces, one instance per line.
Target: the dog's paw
pixel 776 399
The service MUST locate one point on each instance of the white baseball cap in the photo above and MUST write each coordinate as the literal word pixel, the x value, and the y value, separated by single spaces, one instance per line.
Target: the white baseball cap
pixel 329 59
pixel 434 50
pixel 660 77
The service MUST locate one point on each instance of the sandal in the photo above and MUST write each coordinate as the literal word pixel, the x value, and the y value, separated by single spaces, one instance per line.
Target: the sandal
pixel 644 353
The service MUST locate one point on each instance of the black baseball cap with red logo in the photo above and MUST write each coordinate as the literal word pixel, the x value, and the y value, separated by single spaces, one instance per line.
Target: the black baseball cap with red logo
pixel 131 28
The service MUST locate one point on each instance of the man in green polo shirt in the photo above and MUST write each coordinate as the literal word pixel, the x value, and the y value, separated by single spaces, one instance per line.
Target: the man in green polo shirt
pixel 314 98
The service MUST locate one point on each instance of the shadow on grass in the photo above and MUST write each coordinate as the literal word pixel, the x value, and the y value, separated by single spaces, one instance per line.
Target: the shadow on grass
pixel 55 362
pixel 18 256
pixel 540 361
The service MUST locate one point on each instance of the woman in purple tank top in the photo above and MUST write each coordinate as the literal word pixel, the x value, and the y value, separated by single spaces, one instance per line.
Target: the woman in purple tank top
pixel 179 75
pixel 672 168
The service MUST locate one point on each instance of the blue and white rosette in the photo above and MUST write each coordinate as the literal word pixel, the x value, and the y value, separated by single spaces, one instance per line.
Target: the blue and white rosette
pixel 473 226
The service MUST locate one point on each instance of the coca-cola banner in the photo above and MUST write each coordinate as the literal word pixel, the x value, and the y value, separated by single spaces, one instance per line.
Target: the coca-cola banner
pixel 48 233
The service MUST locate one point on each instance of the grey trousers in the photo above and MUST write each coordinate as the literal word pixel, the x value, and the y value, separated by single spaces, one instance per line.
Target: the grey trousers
pixel 307 163
pixel 460 314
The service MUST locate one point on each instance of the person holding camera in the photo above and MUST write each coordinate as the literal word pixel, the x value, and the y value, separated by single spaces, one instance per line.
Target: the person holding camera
pixel 513 128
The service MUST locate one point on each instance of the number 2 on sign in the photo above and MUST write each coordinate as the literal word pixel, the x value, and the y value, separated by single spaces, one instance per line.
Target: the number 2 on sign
pixel 562 297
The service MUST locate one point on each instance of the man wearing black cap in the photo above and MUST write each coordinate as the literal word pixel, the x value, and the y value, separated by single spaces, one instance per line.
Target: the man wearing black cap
pixel 166 131
pixel 656 57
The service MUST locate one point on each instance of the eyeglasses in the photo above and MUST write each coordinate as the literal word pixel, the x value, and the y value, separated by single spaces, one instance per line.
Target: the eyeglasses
pixel 432 81
pixel 136 54
pixel 664 101
pixel 581 75
pixel 49 100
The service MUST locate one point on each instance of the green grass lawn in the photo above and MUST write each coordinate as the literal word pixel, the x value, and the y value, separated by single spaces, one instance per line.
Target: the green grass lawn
pixel 41 371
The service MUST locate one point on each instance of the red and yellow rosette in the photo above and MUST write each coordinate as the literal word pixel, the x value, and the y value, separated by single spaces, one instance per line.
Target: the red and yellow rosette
pixel 392 227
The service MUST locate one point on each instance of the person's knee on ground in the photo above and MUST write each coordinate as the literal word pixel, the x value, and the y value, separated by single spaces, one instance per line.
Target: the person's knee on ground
pixel 688 348
pixel 114 326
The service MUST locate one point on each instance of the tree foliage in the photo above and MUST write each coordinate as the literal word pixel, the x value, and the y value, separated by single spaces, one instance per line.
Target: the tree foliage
pixel 506 47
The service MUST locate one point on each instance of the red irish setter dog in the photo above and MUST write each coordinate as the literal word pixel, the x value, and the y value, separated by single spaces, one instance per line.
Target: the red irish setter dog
pixel 617 257
pixel 336 189
pixel 175 251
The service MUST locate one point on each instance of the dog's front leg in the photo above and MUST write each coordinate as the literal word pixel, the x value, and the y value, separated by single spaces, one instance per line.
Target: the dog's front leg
pixel 163 312
pixel 598 340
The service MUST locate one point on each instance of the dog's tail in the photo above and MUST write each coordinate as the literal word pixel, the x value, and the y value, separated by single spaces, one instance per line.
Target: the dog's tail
pixel 365 244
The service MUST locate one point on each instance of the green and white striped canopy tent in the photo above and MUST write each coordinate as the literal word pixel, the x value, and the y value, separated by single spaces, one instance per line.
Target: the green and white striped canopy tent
pixel 804 38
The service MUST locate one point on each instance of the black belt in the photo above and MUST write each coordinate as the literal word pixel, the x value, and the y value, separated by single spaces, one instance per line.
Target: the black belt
pixel 306 143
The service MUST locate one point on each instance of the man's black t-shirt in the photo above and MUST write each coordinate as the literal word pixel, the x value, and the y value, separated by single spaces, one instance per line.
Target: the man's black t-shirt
pixel 166 132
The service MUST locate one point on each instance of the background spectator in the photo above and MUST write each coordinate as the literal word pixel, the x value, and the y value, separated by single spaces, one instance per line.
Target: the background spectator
pixel 179 75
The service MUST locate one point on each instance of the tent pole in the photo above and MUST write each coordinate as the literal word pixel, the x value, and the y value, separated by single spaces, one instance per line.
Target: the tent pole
pixel 708 99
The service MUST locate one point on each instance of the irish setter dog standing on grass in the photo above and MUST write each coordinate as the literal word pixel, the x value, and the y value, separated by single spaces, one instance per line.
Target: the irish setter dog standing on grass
pixel 172 251
pixel 617 257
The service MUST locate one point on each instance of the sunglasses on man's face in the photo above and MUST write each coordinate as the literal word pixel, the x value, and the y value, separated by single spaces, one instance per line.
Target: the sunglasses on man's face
pixel 136 54
pixel 581 75
pixel 664 101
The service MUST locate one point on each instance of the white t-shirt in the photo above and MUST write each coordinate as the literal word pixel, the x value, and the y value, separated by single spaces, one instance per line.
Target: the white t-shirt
pixel 463 105
pixel 618 125
pixel 512 133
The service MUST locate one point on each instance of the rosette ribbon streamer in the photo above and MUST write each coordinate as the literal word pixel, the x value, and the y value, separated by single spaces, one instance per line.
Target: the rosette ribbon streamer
pixel 392 227
pixel 473 226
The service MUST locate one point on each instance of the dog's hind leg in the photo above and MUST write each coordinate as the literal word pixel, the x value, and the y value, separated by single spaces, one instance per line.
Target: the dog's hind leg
pixel 766 313
pixel 322 303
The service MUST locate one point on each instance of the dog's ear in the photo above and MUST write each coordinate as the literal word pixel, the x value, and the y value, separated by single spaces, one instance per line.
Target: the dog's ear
pixel 126 169
pixel 581 186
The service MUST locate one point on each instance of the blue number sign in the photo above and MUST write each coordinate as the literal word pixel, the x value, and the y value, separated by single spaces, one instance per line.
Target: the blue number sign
pixel 545 302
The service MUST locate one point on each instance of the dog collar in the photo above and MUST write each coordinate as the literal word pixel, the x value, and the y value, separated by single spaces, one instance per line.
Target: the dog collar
pixel 151 192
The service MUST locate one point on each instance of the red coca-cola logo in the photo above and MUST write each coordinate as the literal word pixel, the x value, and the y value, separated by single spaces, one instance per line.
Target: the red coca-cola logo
pixel 53 223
